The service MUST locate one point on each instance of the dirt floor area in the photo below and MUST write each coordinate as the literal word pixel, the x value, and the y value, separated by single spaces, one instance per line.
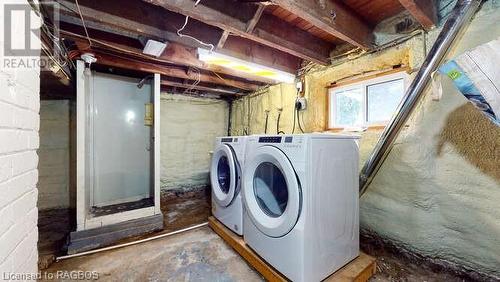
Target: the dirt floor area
pixel 196 255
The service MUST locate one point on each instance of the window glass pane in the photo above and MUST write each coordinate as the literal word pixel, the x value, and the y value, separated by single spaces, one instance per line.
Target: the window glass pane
pixel 223 174
pixel 349 107
pixel 383 100
pixel 270 189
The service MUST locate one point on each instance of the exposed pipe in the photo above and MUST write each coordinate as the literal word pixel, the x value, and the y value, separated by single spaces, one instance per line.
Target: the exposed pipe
pixel 130 243
pixel 457 20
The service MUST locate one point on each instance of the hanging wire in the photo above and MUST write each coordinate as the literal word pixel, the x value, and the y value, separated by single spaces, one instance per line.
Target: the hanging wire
pixel 267 119
pixel 295 111
pixel 196 82
pixel 298 121
pixel 278 131
pixel 180 34
pixel 83 23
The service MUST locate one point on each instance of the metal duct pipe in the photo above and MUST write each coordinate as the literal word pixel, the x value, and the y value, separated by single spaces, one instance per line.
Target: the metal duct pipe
pixel 457 20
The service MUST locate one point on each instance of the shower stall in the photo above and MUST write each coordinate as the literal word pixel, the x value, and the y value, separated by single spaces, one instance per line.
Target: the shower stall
pixel 117 141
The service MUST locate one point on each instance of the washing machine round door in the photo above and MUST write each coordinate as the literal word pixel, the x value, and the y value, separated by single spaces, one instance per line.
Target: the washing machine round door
pixel 271 191
pixel 224 175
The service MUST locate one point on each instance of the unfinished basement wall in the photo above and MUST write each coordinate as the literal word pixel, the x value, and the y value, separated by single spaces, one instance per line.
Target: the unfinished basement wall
pixel 437 194
pixel 54 155
pixel 19 124
pixel 249 113
pixel 188 129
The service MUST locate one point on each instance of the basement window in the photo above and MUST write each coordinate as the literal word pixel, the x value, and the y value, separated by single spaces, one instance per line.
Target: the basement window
pixel 366 103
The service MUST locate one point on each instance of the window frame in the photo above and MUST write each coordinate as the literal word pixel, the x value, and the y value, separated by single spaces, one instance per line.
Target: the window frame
pixel 363 84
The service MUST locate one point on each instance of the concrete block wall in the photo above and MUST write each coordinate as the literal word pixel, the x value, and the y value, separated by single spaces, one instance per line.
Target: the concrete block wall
pixel 19 124
pixel 54 154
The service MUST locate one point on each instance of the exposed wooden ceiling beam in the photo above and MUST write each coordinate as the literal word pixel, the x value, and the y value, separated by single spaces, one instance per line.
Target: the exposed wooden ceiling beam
pixel 134 18
pixel 334 18
pixel 219 91
pixel 222 40
pixel 259 54
pixel 174 53
pixel 302 44
pixel 136 65
pixel 424 11
pixel 255 19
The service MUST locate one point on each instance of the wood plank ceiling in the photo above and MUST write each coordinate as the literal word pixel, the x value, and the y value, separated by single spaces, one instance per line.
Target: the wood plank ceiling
pixel 279 33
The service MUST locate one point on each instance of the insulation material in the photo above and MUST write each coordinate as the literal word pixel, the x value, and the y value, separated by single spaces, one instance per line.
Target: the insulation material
pixel 188 130
pixel 249 112
pixel 437 193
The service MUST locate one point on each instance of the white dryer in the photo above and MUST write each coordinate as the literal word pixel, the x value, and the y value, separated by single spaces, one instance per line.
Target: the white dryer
pixel 225 178
pixel 301 198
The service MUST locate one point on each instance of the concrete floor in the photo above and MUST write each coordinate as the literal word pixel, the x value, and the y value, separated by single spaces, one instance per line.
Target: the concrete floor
pixel 200 255
pixel 197 255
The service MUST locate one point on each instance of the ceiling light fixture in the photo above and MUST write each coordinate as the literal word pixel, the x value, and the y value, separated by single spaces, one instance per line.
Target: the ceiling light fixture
pixel 218 59
pixel 154 48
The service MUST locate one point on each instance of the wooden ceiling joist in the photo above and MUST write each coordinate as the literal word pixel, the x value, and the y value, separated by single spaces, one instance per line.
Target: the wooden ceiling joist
pixel 255 19
pixel 222 92
pixel 136 65
pixel 222 40
pixel 174 53
pixel 126 18
pixel 301 44
pixel 424 11
pixel 332 17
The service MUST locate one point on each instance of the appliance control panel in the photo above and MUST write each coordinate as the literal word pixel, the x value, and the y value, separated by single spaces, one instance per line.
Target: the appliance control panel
pixel 229 140
pixel 281 139
pixel 270 139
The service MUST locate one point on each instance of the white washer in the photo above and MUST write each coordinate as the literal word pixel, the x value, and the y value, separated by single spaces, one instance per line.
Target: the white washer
pixel 301 198
pixel 225 176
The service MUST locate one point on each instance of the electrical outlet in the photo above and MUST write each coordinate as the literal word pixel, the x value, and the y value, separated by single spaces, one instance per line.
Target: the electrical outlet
pixel 301 104
pixel 298 85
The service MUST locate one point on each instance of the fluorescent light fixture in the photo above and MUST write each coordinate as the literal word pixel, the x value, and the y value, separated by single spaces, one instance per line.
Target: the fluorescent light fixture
pixel 154 48
pixel 215 58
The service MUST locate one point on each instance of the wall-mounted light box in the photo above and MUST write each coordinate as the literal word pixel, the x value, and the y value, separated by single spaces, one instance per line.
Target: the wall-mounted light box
pixel 218 59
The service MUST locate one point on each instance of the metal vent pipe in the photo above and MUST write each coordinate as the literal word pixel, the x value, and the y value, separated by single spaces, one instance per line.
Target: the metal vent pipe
pixel 458 19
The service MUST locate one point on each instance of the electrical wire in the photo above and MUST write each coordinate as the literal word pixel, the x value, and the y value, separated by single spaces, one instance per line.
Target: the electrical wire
pixel 180 34
pixel 55 40
pixel 278 131
pixel 298 121
pixel 196 82
pixel 267 119
pixel 83 23
pixel 295 111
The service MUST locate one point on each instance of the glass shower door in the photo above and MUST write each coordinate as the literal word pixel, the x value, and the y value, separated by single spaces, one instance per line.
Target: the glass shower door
pixel 121 147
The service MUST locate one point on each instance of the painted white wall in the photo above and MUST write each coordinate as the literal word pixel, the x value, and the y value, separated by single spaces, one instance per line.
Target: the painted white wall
pixel 19 124
pixel 439 196
pixel 188 129
pixel 54 154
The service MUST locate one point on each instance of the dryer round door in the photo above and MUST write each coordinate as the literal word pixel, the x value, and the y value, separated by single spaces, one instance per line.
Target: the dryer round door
pixel 223 175
pixel 271 191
